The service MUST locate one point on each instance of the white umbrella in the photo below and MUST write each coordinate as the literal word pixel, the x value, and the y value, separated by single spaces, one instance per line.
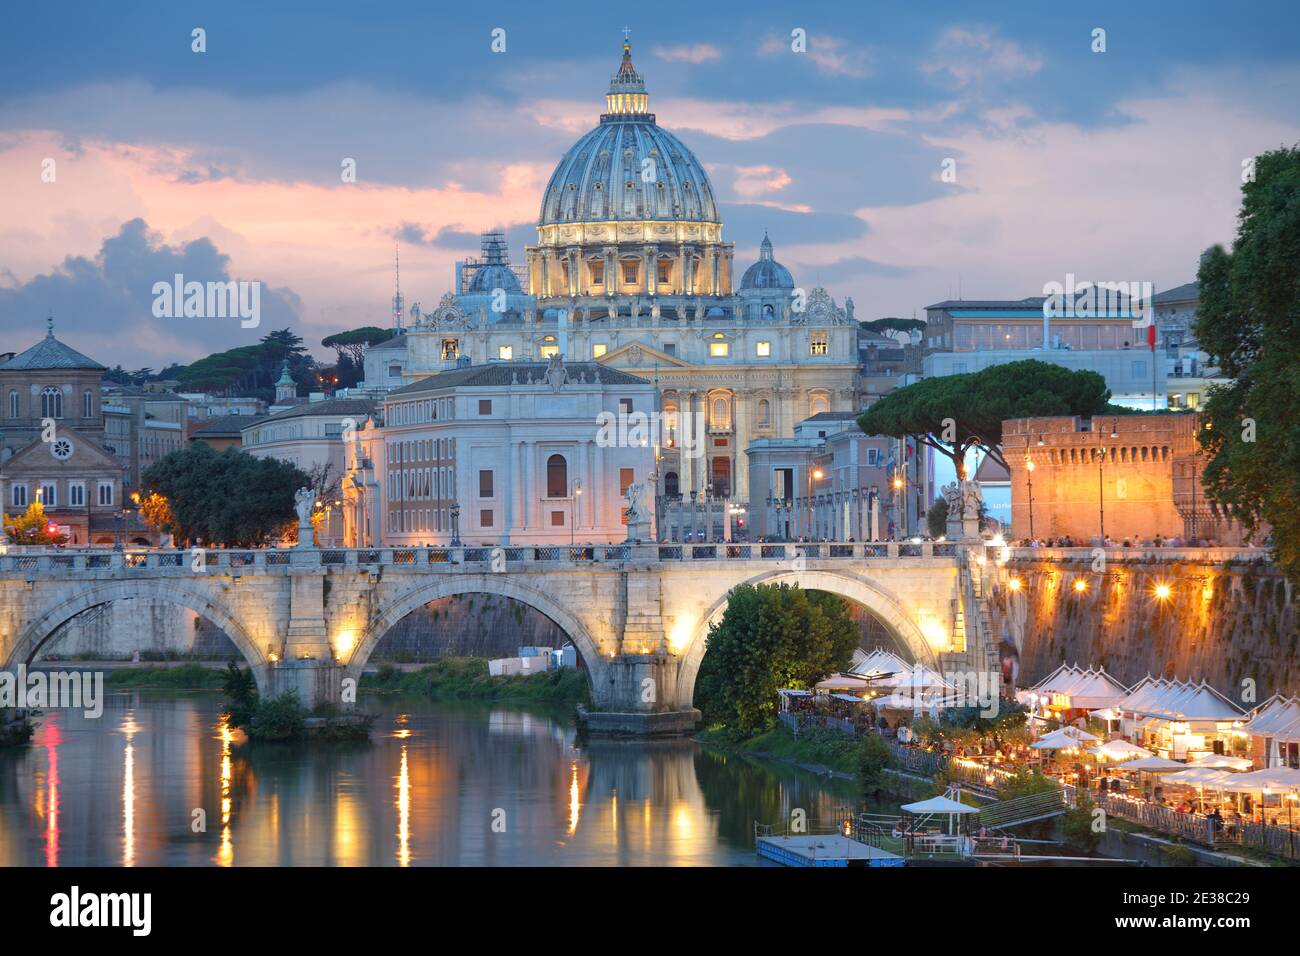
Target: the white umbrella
pixel 1200 777
pixel 938 805
pixel 1066 738
pixel 842 682
pixel 1153 765
pixel 1221 761
pixel 1274 778
pixel 1118 750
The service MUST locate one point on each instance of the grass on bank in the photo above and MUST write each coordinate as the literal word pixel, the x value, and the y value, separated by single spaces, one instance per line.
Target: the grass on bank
pixel 467 678
pixel 184 677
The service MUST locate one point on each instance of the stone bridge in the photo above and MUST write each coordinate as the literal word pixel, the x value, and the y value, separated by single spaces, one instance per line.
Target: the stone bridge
pixel 309 618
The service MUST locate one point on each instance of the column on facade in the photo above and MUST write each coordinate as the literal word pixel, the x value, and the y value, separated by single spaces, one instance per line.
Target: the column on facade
pixel 740 402
pixel 649 271
pixel 686 426
pixel 598 476
pixel 524 482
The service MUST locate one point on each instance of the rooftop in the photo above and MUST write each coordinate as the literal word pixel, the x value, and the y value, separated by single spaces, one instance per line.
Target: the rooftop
pixel 498 374
pixel 50 353
pixel 330 406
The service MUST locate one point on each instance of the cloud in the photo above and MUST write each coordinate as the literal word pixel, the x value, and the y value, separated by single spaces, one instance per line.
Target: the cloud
pixel 752 182
pixel 831 55
pixel 972 56
pixel 856 267
pixel 102 306
pixel 687 53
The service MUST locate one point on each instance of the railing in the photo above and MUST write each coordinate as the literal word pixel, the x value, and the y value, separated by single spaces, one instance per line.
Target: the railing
pixel 1035 806
pixel 1190 826
pixel 32 560
pixel 1144 555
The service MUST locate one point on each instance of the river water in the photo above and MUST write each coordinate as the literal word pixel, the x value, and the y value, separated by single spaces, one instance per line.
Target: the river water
pixel 157 780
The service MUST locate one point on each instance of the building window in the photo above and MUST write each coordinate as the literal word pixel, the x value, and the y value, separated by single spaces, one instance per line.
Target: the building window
pixel 629 273
pixel 557 477
pixel 670 348
pixel 672 485
pixel 51 402
pixel 548 349
pixel 665 274
pixel 106 494
pixel 13 403
pixel 485 484
pixel 450 349
pixel 485 518
pixel 598 273
pixel 719 349
pixel 818 344
pixel 764 412
pixel 625 406
pixel 819 402
pixel 557 519
pixel 485 406
pixel 395 370
pixel 720 414
pixel 625 478
pixel 77 494
pixel 505 352
pixel 87 405
pixel 598 350
pixel 18 495
pixel 763 349
pixel 49 494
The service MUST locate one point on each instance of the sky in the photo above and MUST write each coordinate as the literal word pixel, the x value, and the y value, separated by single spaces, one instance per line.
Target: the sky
pixel 127 157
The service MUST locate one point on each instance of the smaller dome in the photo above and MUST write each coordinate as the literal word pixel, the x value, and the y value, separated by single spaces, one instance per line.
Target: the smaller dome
pixel 495 272
pixel 767 273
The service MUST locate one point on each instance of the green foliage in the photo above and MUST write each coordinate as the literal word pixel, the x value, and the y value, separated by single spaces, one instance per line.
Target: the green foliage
pixel 873 757
pixel 1076 825
pixel 352 344
pixel 249 369
pixel 893 324
pixel 936 519
pixel 227 497
pixel 770 637
pixel 184 677
pixel 1024 783
pixel 467 678
pixel 280 718
pixel 240 690
pixel 31 527
pixel 1248 321
pixel 978 403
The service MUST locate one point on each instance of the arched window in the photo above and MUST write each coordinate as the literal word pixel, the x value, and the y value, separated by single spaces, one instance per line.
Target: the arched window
pixel 720 412
pixel 13 403
pixel 87 404
pixel 764 412
pixel 557 477
pixel 818 402
pixel 672 487
pixel 51 402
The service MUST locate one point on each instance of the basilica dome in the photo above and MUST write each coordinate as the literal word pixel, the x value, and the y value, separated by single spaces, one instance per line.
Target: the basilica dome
pixel 628 168
pixel 766 273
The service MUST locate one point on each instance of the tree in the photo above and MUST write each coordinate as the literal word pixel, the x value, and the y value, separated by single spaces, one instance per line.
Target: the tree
pixel 873 758
pixel 955 413
pixel 936 519
pixel 893 324
pixel 771 637
pixel 32 527
pixel 353 343
pixel 156 512
pixel 227 497
pixel 1248 321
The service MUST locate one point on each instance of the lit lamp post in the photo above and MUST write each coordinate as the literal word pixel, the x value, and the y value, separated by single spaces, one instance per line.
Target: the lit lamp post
pixel 1101 492
pixel 455 524
pixel 1029 477
pixel 900 509
pixel 573 522
pixel 817 474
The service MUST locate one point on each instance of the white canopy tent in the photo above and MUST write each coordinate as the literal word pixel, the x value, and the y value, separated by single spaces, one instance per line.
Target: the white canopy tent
pixel 1220 762
pixel 1119 751
pixel 1153 765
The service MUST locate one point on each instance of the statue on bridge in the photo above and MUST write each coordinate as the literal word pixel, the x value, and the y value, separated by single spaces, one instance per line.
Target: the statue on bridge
pixel 965 501
pixel 637 519
pixel 303 503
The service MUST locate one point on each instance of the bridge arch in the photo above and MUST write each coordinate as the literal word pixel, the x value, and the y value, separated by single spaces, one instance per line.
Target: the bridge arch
pixel 881 603
pixel 499 585
pixel 33 636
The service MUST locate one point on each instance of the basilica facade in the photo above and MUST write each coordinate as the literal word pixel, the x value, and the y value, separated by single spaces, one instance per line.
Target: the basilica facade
pixel 631 270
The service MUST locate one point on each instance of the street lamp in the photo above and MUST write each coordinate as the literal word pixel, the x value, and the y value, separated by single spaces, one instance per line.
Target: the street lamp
pixel 1029 476
pixel 1101 492
pixel 455 524
pixel 573 519
pixel 900 507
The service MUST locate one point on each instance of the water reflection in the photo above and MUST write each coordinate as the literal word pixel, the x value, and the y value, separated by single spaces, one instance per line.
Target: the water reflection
pixel 124 790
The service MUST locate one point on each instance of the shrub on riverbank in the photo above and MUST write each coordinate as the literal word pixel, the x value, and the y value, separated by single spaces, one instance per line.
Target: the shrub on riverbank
pixel 16 733
pixel 1077 827
pixel 185 677
pixel 280 718
pixel 467 678
pixel 820 746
